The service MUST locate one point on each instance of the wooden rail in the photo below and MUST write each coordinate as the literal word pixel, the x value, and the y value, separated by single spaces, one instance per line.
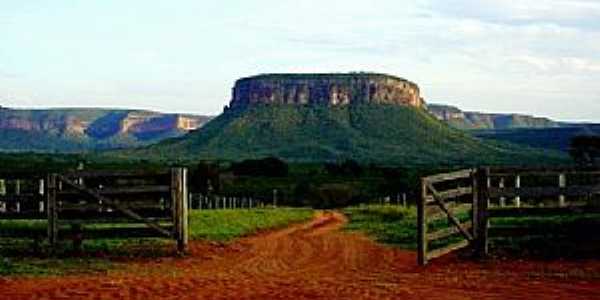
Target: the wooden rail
pixel 157 201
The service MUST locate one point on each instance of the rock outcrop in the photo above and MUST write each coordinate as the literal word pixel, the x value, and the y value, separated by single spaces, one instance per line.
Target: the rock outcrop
pixel 477 120
pixel 90 128
pixel 325 89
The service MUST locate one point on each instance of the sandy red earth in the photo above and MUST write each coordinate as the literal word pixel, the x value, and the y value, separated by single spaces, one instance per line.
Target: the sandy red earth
pixel 316 260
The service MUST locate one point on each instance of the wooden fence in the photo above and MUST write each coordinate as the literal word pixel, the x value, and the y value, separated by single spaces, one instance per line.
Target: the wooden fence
pixel 470 201
pixel 97 204
pixel 519 193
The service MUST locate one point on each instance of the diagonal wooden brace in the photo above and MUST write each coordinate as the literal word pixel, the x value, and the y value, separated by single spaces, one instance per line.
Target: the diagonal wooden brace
pixel 440 202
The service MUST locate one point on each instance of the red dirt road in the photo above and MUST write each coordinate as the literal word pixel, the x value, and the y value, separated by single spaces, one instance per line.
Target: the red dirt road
pixel 316 261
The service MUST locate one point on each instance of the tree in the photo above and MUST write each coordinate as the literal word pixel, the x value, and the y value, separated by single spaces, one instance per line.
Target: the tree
pixel 349 168
pixel 267 167
pixel 205 177
pixel 585 150
pixel 333 195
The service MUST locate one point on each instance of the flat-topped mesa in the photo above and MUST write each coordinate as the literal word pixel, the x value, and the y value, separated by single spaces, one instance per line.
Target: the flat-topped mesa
pixel 325 89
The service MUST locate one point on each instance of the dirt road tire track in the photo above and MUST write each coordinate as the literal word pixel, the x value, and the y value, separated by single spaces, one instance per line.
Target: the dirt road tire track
pixel 315 260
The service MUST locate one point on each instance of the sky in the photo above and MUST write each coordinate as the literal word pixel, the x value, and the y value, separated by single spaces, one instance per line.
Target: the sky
pixel 534 57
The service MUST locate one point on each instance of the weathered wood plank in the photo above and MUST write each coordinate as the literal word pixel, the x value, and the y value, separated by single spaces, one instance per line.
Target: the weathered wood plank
pixel 482 221
pixel 52 209
pixel 449 176
pixel 541 211
pixel 184 211
pixel 547 191
pixel 179 194
pixel 21 197
pixel 123 190
pixel 448 249
pixel 447 232
pixel 454 193
pixel 541 171
pixel 119 233
pixel 422 225
pixel 92 216
pixel 24 215
pixel 475 204
pixel 581 229
pixel 94 207
pixel 120 173
pixel 436 214
pixel 87 233
pixel 113 220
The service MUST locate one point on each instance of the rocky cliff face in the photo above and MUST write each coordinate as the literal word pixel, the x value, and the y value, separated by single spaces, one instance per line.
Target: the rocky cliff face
pixel 325 89
pixel 91 128
pixel 477 120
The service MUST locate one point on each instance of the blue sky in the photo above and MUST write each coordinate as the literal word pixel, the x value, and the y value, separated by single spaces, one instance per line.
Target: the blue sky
pixel 538 57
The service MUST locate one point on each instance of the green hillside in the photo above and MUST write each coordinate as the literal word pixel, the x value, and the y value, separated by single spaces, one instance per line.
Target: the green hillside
pixel 385 134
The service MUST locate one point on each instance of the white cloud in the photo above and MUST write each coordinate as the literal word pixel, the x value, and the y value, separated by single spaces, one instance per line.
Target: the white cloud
pixel 571 13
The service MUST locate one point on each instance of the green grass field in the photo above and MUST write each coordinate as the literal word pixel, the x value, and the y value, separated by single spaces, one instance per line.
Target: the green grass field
pixel 19 258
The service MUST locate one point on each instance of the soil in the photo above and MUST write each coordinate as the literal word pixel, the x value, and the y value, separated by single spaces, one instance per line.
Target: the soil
pixel 316 260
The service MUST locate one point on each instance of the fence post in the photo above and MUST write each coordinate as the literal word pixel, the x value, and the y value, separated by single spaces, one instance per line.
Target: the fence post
pixel 517 187
pixel 2 193
pixel 422 225
pixel 41 192
pixel 180 194
pixel 562 183
pixel 475 203
pixel 52 210
pixel 501 185
pixel 18 192
pixel 488 184
pixel 482 214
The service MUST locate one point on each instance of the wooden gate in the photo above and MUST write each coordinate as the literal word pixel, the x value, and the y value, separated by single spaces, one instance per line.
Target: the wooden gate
pixel 446 214
pixel 128 204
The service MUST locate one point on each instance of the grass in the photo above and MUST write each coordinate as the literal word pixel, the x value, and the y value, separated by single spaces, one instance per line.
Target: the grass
pixel 22 257
pixel 387 224
pixel 225 225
